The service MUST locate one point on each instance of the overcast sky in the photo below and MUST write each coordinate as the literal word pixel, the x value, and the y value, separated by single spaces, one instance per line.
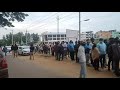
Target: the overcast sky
pixel 38 22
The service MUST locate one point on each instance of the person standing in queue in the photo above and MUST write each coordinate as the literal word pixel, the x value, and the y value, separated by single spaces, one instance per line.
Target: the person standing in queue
pixel 95 57
pixel 82 60
pixel 71 49
pixel 32 51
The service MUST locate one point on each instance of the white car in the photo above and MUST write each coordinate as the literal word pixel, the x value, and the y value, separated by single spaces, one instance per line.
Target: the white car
pixel 24 50
pixel 8 48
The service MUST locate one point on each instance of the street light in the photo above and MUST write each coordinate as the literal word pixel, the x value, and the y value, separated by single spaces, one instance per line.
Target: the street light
pixel 80 24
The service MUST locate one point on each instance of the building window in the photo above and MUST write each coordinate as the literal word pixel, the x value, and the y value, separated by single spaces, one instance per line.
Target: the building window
pixel 58 38
pixel 45 37
pixel 54 38
pixel 54 35
pixel 49 38
pixel 49 35
pixel 65 35
pixel 58 35
pixel 62 35
pixel 62 38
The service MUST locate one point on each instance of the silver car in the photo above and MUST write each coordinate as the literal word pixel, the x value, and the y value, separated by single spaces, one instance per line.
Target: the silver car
pixel 24 50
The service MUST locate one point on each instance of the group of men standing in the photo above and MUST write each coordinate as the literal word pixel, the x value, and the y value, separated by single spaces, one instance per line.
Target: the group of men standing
pixel 95 53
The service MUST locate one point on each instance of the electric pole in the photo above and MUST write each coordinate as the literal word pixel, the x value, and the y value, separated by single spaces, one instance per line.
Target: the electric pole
pixel 79 27
pixel 12 37
pixel 21 38
pixel 26 37
pixel 57 24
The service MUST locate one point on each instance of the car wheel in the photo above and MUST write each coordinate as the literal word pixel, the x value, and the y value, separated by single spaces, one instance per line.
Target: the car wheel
pixel 22 53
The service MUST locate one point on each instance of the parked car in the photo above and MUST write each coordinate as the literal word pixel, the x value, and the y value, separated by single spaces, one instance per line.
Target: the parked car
pixel 24 50
pixel 3 66
pixel 8 48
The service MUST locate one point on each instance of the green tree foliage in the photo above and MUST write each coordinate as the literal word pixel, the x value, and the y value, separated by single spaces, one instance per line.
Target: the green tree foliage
pixel 19 37
pixel 35 37
pixel 6 18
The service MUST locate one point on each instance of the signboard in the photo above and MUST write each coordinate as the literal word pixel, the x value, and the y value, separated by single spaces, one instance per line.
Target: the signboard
pixel 71 35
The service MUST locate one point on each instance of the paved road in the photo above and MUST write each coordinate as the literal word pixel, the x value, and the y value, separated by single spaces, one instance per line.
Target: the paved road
pixel 22 69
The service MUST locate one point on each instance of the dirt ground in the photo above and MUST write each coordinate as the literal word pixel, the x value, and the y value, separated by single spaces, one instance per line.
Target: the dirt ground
pixel 66 67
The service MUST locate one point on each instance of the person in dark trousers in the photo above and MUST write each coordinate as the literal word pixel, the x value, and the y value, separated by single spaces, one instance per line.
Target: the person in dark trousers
pixel 68 53
pixel 95 56
pixel 12 49
pixel 60 52
pixel 71 49
pixel 116 56
pixel 15 48
pixel 52 49
pixel 107 44
pixel 45 49
pixel 56 50
pixel 110 53
pixel 32 48
pixel 65 49
pixel 102 48
pixel 76 51
pixel 88 48
pixel 5 50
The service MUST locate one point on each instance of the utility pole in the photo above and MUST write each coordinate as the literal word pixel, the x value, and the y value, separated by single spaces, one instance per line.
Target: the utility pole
pixel 79 26
pixel 57 24
pixel 12 37
pixel 26 37
pixel 21 38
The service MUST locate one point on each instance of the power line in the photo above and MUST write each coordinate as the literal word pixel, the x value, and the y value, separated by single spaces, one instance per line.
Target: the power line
pixel 47 18
pixel 34 21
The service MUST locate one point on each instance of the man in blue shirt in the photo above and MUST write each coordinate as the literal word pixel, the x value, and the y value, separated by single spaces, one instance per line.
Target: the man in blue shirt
pixel 102 48
pixel 71 49
pixel 88 47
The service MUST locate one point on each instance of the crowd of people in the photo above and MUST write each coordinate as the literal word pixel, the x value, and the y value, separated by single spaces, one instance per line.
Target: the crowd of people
pixel 104 54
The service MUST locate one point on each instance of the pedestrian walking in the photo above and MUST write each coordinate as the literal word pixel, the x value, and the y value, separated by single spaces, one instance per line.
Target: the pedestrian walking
pixel 15 48
pixel 5 50
pixel 95 57
pixel 12 49
pixel 102 48
pixel 32 48
pixel 82 60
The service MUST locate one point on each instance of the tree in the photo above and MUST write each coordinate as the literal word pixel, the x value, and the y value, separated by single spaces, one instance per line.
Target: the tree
pixel 35 37
pixel 6 18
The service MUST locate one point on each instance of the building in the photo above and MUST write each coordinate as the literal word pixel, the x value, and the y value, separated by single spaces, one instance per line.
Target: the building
pixel 103 34
pixel 83 36
pixel 86 35
pixel 116 34
pixel 51 37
